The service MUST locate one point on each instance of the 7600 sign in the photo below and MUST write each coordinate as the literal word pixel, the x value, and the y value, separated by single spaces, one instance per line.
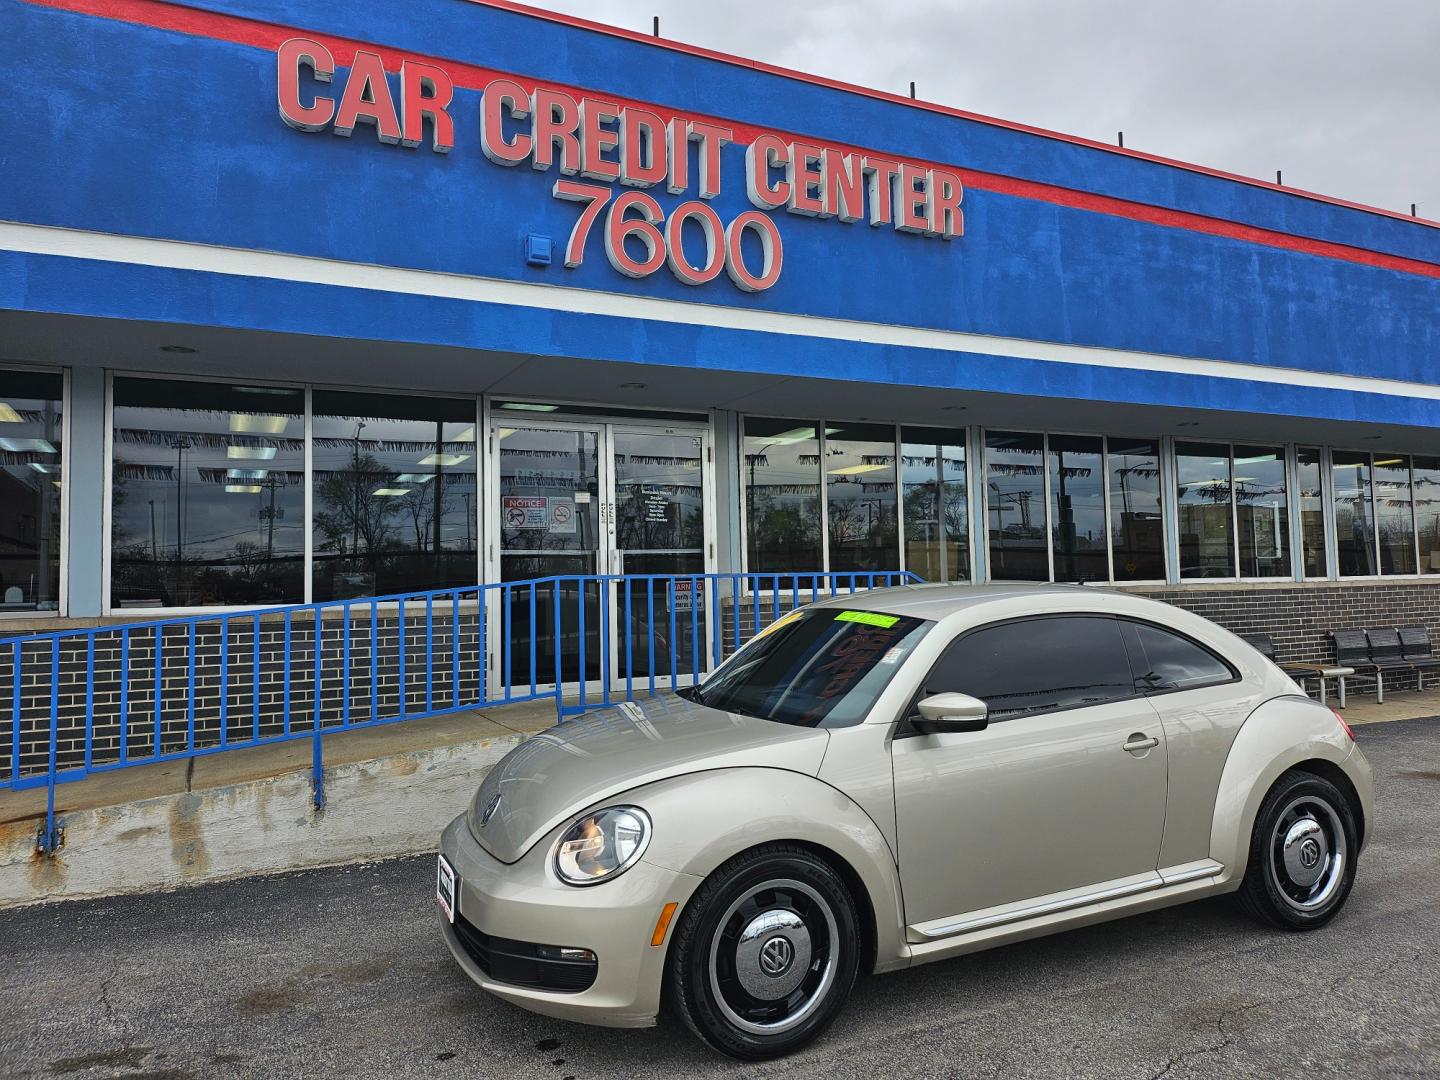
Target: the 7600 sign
pixel 637 214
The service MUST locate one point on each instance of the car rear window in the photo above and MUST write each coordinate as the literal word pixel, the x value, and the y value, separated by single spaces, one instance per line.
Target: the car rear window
pixel 819 667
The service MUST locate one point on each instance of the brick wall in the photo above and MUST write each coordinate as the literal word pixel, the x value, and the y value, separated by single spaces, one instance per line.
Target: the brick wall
pixel 1298 617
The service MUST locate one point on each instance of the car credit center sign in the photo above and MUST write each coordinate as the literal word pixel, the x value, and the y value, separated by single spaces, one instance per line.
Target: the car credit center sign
pixel 597 140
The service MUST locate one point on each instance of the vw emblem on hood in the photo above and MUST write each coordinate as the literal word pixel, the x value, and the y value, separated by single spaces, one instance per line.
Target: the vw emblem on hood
pixel 489 811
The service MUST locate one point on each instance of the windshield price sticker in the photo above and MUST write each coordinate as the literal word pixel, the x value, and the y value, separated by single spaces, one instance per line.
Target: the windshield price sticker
pixel 869 618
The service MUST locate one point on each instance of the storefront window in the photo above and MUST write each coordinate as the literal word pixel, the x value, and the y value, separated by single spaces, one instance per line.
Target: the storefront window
pixel 861 497
pixel 1203 497
pixel 1394 517
pixel 30 477
pixel 782 495
pixel 937 510
pixel 1137 533
pixel 1312 512
pixel 1427 512
pixel 1354 518
pixel 394 494
pixel 1261 511
pixel 1015 500
pixel 1077 508
pixel 207 496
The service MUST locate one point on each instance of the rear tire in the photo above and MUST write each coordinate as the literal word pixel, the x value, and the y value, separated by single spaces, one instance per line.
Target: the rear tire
pixel 1302 854
pixel 765 954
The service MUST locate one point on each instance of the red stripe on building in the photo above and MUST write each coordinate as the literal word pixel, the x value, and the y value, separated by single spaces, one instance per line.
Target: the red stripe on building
pixel 163 15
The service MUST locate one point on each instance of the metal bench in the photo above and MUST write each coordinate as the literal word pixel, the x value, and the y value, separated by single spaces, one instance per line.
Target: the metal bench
pixel 1302 671
pixel 1354 649
pixel 1417 651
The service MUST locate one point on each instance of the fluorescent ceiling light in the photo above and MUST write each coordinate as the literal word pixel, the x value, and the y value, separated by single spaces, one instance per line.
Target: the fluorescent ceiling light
pixel 391 491
pixel 41 468
pixel 526 406
pixel 794 435
pixel 247 474
pixel 506 432
pixel 1391 461
pixel 1258 457
pixel 243 489
pixel 856 470
pixel 27 446
pixel 414 478
pixel 1212 480
pixel 251 424
pixel 8 415
pixel 443 459
pixel 468 435
pixel 250 453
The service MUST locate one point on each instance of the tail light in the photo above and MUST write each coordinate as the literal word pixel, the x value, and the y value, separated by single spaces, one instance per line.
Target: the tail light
pixel 1348 730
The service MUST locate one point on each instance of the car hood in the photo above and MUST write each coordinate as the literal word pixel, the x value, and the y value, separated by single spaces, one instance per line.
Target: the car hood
pixel 573 765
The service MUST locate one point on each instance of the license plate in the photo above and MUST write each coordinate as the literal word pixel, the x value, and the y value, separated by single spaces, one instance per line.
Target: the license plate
pixel 445 888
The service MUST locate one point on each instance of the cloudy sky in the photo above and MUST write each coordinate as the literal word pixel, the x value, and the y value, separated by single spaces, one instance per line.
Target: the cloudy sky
pixel 1342 95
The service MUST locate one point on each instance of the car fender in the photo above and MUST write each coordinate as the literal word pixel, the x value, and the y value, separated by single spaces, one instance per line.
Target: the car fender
pixel 703 819
pixel 1278 735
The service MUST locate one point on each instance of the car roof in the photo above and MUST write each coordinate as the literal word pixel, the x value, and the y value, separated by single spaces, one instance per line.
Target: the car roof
pixel 938 601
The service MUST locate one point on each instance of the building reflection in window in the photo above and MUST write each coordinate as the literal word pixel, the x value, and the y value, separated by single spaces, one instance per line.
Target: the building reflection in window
pixel 861 499
pixel 1427 512
pixel 30 488
pixel 207 494
pixel 937 509
pixel 781 467
pixel 1354 513
pixel 394 494
pixel 1262 511
pixel 1312 511
pixel 1203 497
pixel 1077 507
pixel 1015 501
pixel 1394 513
pixel 1137 533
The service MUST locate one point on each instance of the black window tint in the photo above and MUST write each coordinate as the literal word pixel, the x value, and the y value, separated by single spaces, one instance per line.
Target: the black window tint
pixel 1037 665
pixel 1170 662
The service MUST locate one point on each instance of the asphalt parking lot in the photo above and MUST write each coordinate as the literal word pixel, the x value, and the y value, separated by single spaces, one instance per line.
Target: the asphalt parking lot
pixel 341 973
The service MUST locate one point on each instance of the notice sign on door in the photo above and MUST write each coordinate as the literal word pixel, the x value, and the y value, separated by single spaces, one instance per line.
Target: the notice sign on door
pixel 525 512
pixel 538 512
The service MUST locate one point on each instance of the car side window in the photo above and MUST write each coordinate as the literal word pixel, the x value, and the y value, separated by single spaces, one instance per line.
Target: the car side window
pixel 1036 665
pixel 1167 661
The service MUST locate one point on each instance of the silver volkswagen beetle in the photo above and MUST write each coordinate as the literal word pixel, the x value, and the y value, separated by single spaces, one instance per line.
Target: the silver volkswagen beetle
pixel 891 778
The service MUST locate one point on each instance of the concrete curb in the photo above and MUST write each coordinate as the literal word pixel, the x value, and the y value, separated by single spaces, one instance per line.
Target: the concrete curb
pixel 377 809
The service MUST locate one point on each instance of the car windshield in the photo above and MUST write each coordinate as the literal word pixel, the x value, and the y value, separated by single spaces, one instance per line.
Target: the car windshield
pixel 819 667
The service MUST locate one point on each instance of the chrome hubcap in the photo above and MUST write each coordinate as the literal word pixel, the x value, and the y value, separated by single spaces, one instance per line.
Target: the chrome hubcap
pixel 772 957
pixel 1307 853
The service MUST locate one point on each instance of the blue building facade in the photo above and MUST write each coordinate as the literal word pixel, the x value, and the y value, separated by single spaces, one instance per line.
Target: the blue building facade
pixel 302 301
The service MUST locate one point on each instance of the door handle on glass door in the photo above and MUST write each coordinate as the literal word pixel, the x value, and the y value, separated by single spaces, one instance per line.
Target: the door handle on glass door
pixel 1139 741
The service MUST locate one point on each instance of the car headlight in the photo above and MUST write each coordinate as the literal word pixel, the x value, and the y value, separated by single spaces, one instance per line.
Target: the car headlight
pixel 602 845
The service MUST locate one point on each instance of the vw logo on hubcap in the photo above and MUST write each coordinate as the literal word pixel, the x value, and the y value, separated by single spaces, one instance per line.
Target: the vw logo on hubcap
pixel 775 956
pixel 1309 854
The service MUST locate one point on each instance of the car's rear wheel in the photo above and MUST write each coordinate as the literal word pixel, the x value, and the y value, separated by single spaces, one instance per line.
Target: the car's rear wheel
pixel 766 953
pixel 1302 854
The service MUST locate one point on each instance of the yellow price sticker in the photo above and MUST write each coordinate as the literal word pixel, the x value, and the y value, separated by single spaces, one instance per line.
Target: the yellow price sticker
pixel 869 618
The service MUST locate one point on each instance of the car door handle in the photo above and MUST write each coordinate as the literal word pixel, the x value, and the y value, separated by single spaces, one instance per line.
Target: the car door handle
pixel 1138 742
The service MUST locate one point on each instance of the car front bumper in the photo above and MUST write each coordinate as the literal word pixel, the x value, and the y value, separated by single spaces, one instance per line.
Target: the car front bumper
pixel 525 902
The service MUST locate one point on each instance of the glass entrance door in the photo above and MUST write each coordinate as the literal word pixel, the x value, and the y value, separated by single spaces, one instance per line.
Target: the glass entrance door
pixel 660 529
pixel 600 498
pixel 550 524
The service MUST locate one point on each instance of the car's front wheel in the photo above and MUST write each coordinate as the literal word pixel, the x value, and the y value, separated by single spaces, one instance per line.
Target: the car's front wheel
pixel 1302 854
pixel 766 953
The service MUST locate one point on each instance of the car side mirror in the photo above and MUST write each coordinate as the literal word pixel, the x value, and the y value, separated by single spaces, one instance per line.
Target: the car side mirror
pixel 951 712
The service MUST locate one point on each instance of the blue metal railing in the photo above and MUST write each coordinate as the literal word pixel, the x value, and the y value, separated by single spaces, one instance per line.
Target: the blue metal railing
pixel 94 700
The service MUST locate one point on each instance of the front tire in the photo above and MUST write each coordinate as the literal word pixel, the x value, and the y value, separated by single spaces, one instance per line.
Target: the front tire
pixel 1302 854
pixel 766 953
